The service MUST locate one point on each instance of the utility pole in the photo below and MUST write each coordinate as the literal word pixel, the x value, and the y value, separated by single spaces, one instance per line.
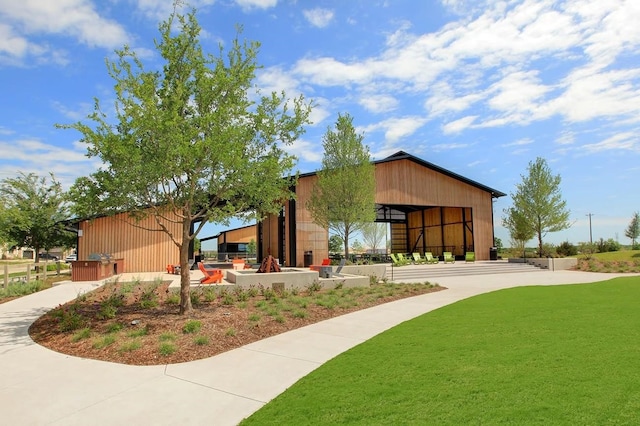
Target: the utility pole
pixel 590 234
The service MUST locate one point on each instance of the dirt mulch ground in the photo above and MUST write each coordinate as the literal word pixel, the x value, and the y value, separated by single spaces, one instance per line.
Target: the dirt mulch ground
pixel 111 323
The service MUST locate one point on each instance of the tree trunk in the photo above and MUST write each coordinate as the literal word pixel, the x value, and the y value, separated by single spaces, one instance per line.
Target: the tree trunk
pixel 185 273
pixel 346 243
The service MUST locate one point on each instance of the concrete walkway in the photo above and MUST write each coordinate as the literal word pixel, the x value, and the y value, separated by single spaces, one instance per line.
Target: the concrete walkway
pixel 41 387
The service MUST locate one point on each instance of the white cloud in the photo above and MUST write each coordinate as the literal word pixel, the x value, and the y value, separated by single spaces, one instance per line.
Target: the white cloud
pixel 34 156
pixel 26 20
pixel 318 17
pixel 459 125
pixel 396 128
pixel 519 142
pixel 306 150
pixel 256 4
pixel 378 103
pixel 629 141
pixel 504 63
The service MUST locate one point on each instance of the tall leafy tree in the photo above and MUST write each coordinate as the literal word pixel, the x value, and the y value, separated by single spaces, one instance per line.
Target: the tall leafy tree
pixel 32 212
pixel 538 205
pixel 373 234
pixel 190 142
pixel 519 229
pixel 633 230
pixel 343 199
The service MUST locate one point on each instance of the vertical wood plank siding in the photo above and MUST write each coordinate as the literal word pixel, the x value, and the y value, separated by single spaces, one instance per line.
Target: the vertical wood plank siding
pixel 142 250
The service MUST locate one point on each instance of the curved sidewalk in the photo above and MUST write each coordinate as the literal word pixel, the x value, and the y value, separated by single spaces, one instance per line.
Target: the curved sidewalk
pixel 42 387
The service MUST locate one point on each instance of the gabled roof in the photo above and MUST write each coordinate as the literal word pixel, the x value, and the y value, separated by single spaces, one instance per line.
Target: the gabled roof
pixel 401 155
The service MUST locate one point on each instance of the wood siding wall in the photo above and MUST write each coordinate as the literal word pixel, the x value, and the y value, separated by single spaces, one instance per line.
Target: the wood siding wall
pixel 142 250
pixel 309 236
pixel 240 235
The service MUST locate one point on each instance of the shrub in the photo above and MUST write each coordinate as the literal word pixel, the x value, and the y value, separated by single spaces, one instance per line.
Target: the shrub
pixel 82 334
pixel 201 340
pixel 166 348
pixel 608 245
pixel 69 318
pixel 566 249
pixel 104 341
pixel 114 327
pixel 192 327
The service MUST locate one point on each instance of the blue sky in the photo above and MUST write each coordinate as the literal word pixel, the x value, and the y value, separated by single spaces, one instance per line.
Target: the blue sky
pixel 480 87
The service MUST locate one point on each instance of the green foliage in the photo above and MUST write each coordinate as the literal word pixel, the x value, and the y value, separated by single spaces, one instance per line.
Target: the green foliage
pixel 566 249
pixel 633 230
pixel 498 244
pixel 201 340
pixel 81 334
pixel 69 319
pixel 336 244
pixel 538 207
pixel 167 348
pixel 343 198
pixel 607 245
pixel 252 247
pixel 103 342
pixel 130 346
pixel 191 327
pixel 21 289
pixel 31 211
pixel 189 138
pixel 139 332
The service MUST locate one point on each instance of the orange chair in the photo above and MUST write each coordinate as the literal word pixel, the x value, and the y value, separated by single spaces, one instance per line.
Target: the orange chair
pixel 211 275
pixel 170 269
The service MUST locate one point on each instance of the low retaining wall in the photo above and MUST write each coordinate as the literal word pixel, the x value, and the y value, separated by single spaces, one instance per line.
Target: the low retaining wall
pixel 551 263
pixel 294 278
pixel 379 271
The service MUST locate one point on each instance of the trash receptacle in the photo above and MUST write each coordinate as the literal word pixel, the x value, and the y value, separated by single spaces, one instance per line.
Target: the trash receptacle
pixel 308 258
pixel 493 253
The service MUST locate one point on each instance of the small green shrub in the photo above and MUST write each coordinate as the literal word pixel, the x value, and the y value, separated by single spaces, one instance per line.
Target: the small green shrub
pixel 107 311
pixel 279 318
pixel 314 287
pixel 201 340
pixel 300 314
pixel 192 327
pixel 167 337
pixel 104 341
pixel 81 334
pixel 130 346
pixel 167 348
pixel 69 319
pixel 254 317
pixel 139 332
pixel 114 327
pixel 173 298
pixel 230 332
pixel 195 298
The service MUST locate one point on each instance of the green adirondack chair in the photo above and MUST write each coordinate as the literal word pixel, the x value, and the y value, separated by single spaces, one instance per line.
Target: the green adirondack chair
pixel 429 258
pixel 396 261
pixel 448 257
pixel 470 256
pixel 418 260
pixel 403 259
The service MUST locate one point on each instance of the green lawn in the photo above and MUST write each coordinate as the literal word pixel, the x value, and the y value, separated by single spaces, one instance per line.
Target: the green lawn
pixel 563 355
pixel 621 255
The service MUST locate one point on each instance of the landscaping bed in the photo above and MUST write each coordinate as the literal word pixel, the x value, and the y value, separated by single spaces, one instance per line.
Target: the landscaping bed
pixel 138 322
